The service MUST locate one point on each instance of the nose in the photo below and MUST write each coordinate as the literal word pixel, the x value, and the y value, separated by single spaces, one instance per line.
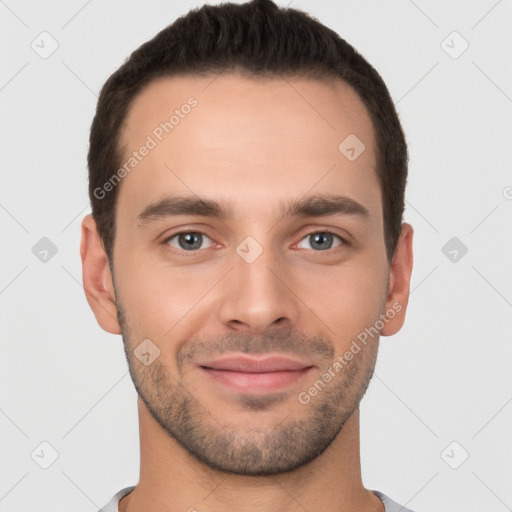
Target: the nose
pixel 259 296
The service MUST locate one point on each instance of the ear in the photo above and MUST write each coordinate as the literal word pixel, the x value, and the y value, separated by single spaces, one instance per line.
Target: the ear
pixel 399 282
pixel 97 278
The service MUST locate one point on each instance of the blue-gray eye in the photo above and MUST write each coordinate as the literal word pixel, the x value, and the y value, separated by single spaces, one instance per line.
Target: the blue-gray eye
pixel 188 241
pixel 192 240
pixel 322 240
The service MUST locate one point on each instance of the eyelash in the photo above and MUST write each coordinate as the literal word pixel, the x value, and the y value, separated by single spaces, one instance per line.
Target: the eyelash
pixel 183 252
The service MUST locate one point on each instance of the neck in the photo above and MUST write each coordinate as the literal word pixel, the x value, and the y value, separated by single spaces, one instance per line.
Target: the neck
pixel 172 480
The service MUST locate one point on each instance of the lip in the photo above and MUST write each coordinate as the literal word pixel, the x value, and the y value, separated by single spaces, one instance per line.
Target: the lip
pixel 255 376
pixel 253 365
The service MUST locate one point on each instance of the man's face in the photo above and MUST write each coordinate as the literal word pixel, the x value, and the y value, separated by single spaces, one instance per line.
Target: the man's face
pixel 260 281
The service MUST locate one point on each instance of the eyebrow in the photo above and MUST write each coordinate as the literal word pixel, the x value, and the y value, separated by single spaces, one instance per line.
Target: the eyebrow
pixel 312 206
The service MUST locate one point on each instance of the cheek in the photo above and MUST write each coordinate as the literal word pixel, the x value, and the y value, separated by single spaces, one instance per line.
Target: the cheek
pixel 343 298
pixel 348 298
pixel 157 296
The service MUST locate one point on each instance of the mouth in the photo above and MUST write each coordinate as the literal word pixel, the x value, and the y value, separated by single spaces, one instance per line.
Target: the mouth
pixel 256 376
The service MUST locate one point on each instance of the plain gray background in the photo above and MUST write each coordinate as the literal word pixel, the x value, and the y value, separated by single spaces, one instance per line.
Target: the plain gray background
pixel 442 386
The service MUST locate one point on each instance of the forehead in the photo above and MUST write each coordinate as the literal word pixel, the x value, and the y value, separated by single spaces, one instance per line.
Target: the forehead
pixel 244 138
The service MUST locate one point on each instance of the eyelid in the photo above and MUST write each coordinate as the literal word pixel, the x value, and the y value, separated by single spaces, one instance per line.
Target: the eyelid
pixel 176 250
pixel 344 239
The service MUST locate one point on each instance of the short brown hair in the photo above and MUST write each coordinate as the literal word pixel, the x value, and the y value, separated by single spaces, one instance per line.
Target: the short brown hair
pixel 255 37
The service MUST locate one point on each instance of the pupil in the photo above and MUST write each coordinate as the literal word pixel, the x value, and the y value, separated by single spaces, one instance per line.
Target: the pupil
pixel 192 240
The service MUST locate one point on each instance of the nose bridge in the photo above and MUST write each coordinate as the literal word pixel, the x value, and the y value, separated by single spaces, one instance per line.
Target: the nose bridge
pixel 257 296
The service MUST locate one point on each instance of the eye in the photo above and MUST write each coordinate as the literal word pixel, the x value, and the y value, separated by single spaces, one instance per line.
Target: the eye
pixel 322 240
pixel 187 240
pixel 192 241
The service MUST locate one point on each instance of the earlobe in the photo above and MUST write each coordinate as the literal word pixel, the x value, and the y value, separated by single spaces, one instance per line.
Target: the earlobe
pixel 97 278
pixel 399 282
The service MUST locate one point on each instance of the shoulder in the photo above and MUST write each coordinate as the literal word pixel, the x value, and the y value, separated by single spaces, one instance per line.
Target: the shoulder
pixel 112 505
pixel 389 504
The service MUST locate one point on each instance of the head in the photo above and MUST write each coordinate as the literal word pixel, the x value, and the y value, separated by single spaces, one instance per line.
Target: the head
pixel 247 171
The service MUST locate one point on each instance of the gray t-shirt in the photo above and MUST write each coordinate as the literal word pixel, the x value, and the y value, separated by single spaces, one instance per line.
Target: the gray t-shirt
pixel 389 504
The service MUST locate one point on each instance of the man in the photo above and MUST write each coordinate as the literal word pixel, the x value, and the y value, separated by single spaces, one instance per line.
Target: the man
pixel 247 175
